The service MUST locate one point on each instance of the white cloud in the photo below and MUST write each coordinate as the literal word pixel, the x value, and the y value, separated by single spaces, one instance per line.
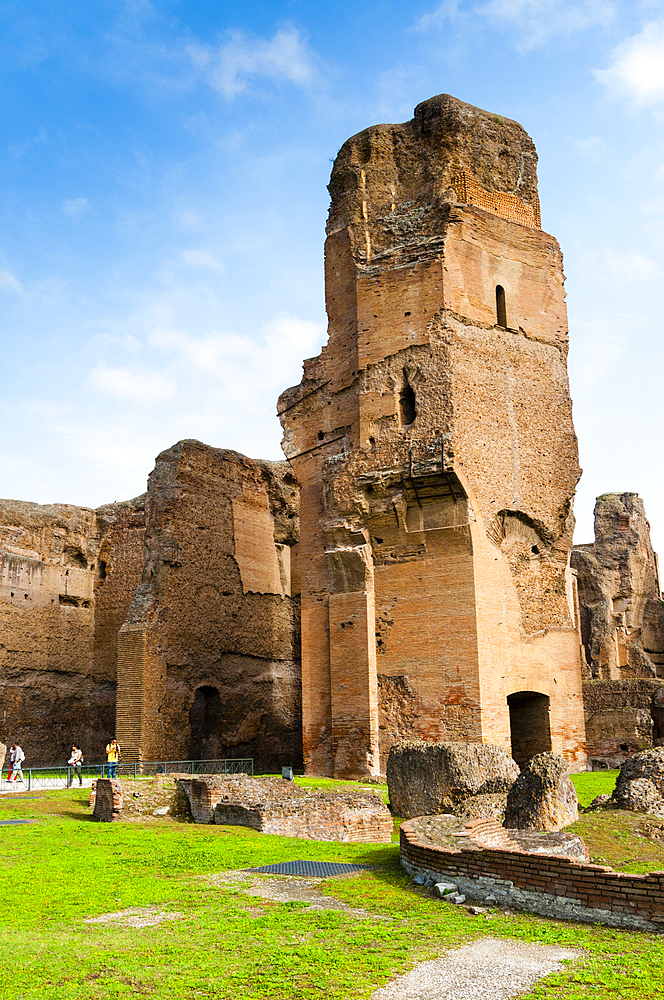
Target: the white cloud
pixel 591 148
pixel 538 21
pixel 75 207
pixel 10 282
pixel 250 366
pixel 229 69
pixel 187 219
pixel 139 386
pixel 631 267
pixel 201 258
pixel 617 269
pixel 637 71
pixel 445 13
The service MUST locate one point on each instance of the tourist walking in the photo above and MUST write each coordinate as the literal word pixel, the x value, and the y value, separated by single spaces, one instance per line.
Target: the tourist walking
pixel 76 766
pixel 112 756
pixel 16 762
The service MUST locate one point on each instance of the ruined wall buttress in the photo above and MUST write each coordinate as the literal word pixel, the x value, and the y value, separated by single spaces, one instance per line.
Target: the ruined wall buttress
pixel 209 651
pixel 622 625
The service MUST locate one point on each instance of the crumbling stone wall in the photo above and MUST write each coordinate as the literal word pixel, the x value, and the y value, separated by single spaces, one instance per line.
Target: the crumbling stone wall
pixel 434 445
pixel 208 657
pixel 59 615
pixel 622 627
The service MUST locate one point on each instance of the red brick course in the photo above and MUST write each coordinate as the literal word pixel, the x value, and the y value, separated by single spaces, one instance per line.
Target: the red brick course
pixel 553 886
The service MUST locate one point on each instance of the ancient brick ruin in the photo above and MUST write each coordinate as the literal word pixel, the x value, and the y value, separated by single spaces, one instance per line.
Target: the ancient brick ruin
pixel 67 576
pixel 208 656
pixel 176 613
pixel 425 505
pixel 622 628
pixel 434 446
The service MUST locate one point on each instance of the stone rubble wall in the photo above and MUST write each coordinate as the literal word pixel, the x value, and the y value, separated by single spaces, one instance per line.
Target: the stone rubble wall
pixel 622 630
pixel 620 718
pixel 430 778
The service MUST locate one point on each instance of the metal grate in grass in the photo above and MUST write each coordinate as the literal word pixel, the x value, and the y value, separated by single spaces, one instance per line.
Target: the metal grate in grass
pixel 315 869
pixel 13 822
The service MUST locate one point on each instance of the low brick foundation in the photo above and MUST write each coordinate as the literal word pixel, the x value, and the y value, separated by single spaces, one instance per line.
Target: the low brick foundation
pixel 552 886
pixel 106 796
pixel 272 805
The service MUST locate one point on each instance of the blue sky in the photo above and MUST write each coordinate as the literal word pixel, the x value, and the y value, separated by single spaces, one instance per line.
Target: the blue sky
pixel 163 193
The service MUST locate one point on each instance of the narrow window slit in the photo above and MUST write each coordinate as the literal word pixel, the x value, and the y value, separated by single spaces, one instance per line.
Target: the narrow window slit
pixel 501 311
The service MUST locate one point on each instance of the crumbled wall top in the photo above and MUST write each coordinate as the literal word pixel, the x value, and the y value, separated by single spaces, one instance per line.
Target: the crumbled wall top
pixel 394 179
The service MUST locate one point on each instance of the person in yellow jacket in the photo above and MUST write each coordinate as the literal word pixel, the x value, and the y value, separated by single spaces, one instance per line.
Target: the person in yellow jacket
pixel 112 756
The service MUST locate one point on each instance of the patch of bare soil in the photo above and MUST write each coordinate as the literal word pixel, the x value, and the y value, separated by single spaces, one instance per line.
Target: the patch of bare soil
pixel 135 916
pixel 288 889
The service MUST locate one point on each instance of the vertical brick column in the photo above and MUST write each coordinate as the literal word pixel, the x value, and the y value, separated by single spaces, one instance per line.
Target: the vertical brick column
pixel 352 621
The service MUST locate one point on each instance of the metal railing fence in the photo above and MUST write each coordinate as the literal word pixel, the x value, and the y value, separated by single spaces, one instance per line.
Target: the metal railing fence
pixel 63 776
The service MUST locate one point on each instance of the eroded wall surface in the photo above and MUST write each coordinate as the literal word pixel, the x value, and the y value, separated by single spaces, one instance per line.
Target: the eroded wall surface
pixel 434 445
pixel 622 625
pixel 66 579
pixel 208 661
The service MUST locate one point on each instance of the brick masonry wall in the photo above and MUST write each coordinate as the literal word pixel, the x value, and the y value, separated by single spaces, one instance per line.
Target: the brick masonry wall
pixel 209 651
pixel 67 575
pixel 551 886
pixel 106 799
pixel 507 205
pixel 272 805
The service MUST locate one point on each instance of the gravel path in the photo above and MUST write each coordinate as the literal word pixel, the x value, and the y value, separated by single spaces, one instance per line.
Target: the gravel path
pixel 489 969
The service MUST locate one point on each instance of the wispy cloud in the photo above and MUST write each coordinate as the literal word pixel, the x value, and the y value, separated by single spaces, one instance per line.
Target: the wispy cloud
pixel 10 282
pixel 201 258
pixel 76 207
pixel 139 386
pixel 539 21
pixel 535 22
pixel 242 58
pixel 618 269
pixel 637 70
pixel 235 362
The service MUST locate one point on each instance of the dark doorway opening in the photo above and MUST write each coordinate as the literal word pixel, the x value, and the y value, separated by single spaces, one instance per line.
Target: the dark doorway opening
pixel 204 718
pixel 530 725
pixel 501 309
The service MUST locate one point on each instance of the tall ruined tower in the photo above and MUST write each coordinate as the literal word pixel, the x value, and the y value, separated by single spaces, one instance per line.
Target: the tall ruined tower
pixel 433 442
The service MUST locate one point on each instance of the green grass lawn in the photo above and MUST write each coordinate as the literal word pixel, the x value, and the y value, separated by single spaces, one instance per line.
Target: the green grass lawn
pixel 226 944
pixel 590 784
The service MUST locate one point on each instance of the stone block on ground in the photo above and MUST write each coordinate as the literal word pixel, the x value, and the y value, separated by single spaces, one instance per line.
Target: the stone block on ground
pixel 272 805
pixel 640 784
pixel 543 796
pixel 427 779
pixel 107 800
